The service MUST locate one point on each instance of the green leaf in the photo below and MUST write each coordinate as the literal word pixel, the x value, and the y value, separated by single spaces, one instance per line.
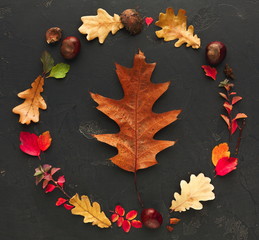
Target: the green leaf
pixel 59 71
pixel 224 83
pixel 47 61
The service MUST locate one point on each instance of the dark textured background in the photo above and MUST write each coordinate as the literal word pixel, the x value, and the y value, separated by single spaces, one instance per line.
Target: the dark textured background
pixel 26 212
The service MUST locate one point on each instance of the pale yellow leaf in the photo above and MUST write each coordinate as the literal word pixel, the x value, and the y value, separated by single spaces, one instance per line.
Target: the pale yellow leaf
pixel 91 212
pixel 198 189
pixel 175 27
pixel 100 25
pixel 29 109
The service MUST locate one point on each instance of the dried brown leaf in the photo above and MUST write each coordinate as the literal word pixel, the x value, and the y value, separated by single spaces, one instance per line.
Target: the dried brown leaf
pixel 175 27
pixel 100 25
pixel 198 189
pixel 137 149
pixel 29 109
pixel 90 211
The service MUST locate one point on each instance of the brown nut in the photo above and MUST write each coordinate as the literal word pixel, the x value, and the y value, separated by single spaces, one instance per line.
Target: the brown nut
pixel 132 21
pixel 53 35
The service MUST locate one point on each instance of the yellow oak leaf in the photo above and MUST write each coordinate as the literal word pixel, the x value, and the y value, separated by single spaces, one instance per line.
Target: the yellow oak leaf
pixel 198 189
pixel 175 27
pixel 100 25
pixel 29 109
pixel 91 212
pixel 219 152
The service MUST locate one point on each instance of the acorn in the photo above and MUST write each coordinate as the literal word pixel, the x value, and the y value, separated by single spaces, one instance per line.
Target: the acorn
pixel 151 218
pixel 132 21
pixel 53 35
pixel 215 52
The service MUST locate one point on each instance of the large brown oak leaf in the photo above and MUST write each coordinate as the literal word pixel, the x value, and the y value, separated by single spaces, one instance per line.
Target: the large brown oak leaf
pixel 137 149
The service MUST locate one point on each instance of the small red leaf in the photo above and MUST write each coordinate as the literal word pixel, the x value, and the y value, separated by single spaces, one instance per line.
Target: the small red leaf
pixel 169 228
pixel 120 221
pixel 61 181
pixel 45 183
pixel 131 214
pixel 210 71
pixel 68 207
pixel 228 107
pixel 50 188
pixel 236 99
pixel 226 119
pixel 29 143
pixel 120 210
pixel 126 226
pixel 225 165
pixel 240 115
pixel 114 217
pixel 48 177
pixel 233 93
pixel 38 179
pixel 223 95
pixel 136 224
pixel 54 170
pixel 60 201
pixel 46 167
pixel 174 220
pixel 234 126
pixel 149 20
pixel 44 141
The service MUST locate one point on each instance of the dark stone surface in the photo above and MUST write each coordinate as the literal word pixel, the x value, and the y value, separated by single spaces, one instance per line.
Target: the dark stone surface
pixel 28 213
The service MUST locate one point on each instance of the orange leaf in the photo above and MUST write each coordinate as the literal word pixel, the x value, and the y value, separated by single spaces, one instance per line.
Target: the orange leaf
pixel 219 151
pixel 210 71
pixel 175 27
pixel 44 141
pixel 223 95
pixel 136 146
pixel 236 99
pixel 226 119
pixel 29 109
pixel 174 220
pixel 240 115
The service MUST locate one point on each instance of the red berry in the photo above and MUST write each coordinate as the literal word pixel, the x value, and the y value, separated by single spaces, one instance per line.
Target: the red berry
pixel 151 218
pixel 215 52
pixel 70 47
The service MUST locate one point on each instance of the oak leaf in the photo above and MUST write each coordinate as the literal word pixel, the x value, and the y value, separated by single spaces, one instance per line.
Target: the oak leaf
pixel 100 25
pixel 138 124
pixel 198 189
pixel 90 211
pixel 175 27
pixel 29 109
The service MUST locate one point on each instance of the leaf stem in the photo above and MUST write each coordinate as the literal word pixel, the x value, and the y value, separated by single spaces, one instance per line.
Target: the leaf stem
pixel 61 189
pixel 136 188
pixel 240 136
